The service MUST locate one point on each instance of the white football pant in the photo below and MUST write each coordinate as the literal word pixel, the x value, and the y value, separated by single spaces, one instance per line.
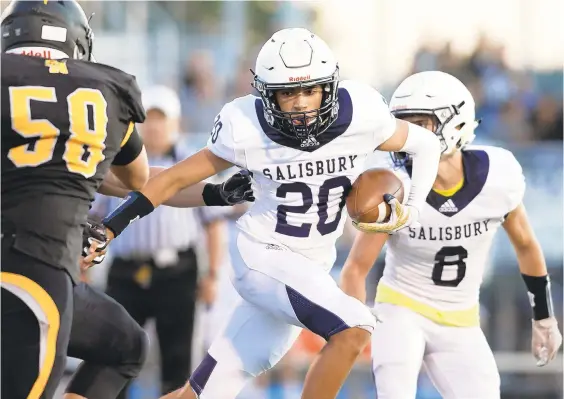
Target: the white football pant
pixel 281 293
pixel 458 360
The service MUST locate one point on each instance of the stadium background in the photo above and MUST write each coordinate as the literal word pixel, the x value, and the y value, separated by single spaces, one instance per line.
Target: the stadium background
pixel 509 53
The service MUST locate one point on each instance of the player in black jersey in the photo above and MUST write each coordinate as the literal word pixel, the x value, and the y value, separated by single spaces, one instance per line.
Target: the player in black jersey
pixel 65 123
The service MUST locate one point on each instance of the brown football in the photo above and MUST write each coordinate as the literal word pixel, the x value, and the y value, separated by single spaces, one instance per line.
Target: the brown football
pixel 365 201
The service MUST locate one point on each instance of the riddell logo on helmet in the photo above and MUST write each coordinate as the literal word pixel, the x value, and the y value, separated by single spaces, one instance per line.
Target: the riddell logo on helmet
pixel 300 78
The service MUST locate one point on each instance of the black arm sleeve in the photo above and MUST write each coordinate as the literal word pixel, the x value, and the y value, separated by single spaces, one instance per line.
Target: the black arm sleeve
pixel 133 100
pixel 130 150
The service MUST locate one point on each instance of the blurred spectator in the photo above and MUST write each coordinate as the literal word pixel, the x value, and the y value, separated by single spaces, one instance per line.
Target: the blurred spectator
pixel 201 94
pixel 241 83
pixel 154 272
pixel 511 108
pixel 512 124
pixel 447 61
pixel 425 60
pixel 486 55
pixel 547 119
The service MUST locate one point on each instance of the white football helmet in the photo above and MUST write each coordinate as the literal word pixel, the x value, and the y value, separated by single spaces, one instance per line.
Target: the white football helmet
pixel 443 97
pixel 291 58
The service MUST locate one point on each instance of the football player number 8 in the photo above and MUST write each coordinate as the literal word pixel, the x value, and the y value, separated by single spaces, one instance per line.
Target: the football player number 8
pixel 83 149
pixel 451 257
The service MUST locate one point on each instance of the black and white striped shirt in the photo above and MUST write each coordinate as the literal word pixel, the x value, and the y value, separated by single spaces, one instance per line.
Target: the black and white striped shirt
pixel 166 227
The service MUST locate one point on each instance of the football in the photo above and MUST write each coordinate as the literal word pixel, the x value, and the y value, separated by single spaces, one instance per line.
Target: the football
pixel 365 202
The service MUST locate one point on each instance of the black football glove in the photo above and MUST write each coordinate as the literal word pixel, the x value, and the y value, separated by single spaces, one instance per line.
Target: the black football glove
pixel 235 190
pixel 94 232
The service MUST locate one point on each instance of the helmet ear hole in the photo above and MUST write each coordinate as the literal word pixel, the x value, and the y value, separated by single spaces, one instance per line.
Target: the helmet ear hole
pixel 79 51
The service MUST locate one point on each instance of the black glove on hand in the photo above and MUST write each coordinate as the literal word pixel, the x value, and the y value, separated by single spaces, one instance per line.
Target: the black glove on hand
pixel 235 190
pixel 94 231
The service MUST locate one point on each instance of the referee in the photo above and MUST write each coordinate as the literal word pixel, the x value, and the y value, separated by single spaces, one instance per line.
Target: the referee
pixel 154 272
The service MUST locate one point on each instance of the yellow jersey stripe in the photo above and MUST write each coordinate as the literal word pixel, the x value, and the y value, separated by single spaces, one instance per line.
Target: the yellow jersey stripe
pixel 454 318
pixel 451 191
pixel 48 338
pixel 127 134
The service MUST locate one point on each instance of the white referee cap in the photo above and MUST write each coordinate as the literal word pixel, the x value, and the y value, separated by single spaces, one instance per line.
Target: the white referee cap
pixel 162 98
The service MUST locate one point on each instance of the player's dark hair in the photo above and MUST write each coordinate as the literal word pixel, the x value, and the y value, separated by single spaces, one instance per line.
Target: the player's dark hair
pixel 31 23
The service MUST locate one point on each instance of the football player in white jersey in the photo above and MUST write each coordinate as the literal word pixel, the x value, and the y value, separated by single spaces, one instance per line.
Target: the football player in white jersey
pixel 305 140
pixel 428 295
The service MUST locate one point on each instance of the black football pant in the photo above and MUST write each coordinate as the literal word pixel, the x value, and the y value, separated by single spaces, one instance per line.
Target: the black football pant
pixel 169 296
pixel 112 345
pixel 37 309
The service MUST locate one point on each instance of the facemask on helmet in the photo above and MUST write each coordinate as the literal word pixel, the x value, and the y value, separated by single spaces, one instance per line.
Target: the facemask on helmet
pixel 296 58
